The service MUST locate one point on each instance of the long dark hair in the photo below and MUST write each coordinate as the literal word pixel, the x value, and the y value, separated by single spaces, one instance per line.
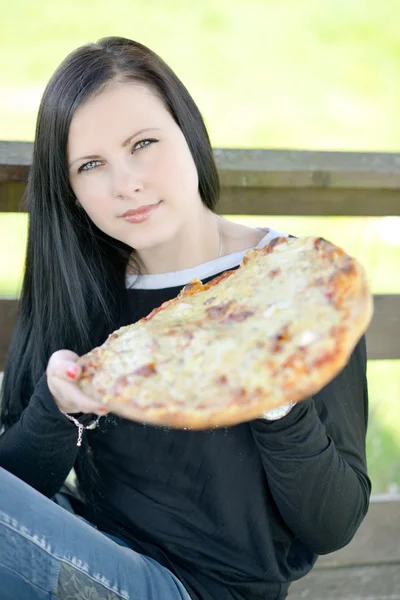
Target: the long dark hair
pixel 74 273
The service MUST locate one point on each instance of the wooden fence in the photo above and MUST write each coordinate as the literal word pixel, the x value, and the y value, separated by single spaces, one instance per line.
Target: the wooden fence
pixel 266 182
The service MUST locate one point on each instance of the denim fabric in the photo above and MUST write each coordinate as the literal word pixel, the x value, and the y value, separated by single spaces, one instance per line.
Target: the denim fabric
pixel 48 553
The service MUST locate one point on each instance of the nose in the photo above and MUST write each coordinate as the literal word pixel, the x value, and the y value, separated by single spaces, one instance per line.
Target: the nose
pixel 126 181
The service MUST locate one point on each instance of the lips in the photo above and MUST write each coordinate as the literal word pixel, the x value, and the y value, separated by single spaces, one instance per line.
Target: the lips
pixel 142 210
pixel 141 214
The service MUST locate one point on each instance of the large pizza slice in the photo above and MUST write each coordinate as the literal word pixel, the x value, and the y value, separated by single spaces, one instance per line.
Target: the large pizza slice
pixel 273 331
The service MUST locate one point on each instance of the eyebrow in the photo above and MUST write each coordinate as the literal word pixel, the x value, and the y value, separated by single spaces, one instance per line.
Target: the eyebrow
pixel 124 144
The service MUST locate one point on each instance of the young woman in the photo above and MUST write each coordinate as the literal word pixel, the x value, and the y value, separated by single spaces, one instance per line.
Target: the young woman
pixel 122 197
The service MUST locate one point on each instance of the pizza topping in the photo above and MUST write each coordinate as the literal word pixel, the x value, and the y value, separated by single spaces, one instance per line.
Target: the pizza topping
pixel 275 306
pixel 191 288
pixel 281 336
pixel 324 358
pixel 146 370
pixel 272 274
pixel 216 312
pixel 183 306
pixel 318 243
pixel 238 317
pixel 348 268
pixel 307 337
pixel 273 243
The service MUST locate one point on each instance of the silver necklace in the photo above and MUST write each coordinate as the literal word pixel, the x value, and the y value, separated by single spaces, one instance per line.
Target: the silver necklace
pixel 220 239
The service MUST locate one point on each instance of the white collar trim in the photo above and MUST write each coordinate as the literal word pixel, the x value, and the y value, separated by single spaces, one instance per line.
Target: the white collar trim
pixel 202 271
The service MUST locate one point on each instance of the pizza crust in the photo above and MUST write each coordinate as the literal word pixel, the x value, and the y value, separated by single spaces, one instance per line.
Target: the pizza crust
pixel 274 331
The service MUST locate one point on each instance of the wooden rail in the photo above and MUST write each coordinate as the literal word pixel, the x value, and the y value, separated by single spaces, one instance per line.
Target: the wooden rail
pixel 267 182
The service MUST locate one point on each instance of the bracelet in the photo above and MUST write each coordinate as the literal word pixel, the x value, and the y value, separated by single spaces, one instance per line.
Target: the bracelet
pixel 81 427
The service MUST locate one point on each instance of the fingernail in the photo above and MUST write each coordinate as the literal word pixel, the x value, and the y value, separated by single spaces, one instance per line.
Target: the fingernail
pixel 72 371
pixel 102 409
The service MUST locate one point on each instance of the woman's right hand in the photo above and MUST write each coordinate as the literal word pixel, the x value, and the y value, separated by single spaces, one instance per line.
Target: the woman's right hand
pixel 62 373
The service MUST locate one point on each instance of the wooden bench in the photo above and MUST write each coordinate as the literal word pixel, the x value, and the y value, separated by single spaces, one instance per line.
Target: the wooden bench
pixel 368 568
pixel 265 182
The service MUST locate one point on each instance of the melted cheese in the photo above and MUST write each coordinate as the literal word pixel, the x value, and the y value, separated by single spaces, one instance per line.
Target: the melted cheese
pixel 240 334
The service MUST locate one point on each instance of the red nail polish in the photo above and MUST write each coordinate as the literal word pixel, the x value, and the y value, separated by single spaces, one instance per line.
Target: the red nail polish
pixel 72 371
pixel 101 409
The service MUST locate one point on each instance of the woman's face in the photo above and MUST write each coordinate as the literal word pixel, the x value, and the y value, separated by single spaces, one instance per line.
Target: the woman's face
pixel 125 152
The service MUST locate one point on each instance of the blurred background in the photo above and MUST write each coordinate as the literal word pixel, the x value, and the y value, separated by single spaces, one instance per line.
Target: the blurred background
pixel 289 74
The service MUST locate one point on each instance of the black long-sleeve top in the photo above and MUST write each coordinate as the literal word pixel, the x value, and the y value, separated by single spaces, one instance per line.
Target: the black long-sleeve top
pixel 236 513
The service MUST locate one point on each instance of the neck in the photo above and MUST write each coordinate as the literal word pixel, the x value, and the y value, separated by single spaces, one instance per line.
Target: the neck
pixel 196 243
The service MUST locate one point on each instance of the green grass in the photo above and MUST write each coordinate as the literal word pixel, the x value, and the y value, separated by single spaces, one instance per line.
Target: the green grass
pixel 316 74
pixel 265 73
pixel 383 440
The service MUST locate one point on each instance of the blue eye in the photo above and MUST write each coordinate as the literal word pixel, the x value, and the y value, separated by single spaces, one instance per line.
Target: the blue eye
pixel 87 167
pixel 145 146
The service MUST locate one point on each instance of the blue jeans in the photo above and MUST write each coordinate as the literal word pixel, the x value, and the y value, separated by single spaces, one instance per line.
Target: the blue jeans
pixel 47 553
